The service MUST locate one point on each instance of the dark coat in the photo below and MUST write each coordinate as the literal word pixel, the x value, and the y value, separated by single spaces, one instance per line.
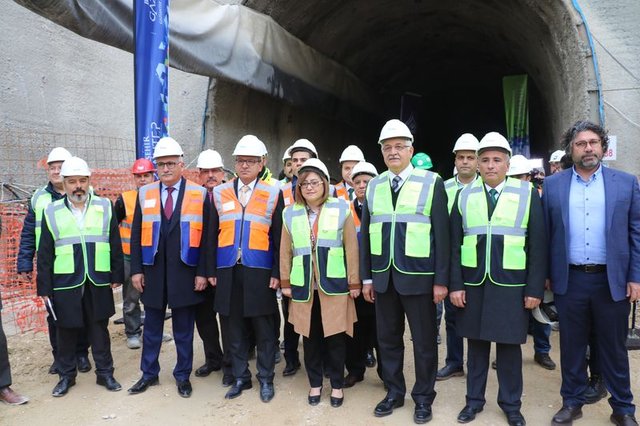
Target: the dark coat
pixel 67 304
pixel 169 281
pixel 496 313
pixel 259 299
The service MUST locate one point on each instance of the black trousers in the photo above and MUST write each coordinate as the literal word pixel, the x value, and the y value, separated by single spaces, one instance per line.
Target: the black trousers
pixel 98 333
pixel 82 345
pixel 362 341
pixel 291 338
pixel 207 326
pixel 323 352
pixel 509 361
pixel 5 368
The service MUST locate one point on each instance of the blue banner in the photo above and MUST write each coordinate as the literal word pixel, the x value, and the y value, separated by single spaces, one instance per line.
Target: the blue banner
pixel 151 69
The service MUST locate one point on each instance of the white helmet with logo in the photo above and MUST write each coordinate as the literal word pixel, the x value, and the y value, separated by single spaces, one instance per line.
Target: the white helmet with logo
pixel 167 147
pixel 351 153
pixel 209 159
pixel 58 154
pixel 518 165
pixel 314 164
pixel 75 166
pixel 251 146
pixel 303 145
pixel 466 142
pixel 556 156
pixel 494 140
pixel 364 168
pixel 395 129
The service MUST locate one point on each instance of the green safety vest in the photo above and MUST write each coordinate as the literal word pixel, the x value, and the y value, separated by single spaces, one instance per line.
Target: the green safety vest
pixel 495 248
pixel 80 254
pixel 39 201
pixel 402 235
pixel 329 253
pixel 451 188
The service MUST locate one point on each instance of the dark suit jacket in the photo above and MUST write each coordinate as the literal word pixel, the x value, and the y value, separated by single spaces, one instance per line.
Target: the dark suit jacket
pixel 169 281
pixel 258 298
pixel 622 201
pixel 412 284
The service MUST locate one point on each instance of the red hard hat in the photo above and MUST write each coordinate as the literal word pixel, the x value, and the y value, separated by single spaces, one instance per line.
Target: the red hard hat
pixel 142 165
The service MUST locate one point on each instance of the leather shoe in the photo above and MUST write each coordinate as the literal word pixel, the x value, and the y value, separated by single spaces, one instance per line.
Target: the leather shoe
pixel 184 388
pixel 207 369
pixel 9 396
pixel 623 420
pixel 63 386
pixel 237 388
pixel 468 414
pixel 567 415
pixel 266 391
pixel 54 368
pixel 515 418
pixel 351 380
pixel 84 366
pixel 370 361
pixel 227 380
pixel 290 369
pixel 596 390
pixel 422 413
pixel 142 385
pixel 315 399
pixel 108 382
pixel 544 360
pixel 449 371
pixel 386 406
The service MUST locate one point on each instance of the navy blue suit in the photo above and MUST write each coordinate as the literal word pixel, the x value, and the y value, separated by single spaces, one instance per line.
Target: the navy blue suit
pixel 595 301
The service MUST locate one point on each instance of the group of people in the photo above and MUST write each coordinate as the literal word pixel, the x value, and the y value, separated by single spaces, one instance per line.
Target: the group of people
pixel 354 262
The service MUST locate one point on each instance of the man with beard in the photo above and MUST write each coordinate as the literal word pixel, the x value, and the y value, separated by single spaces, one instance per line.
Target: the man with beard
pixel 79 262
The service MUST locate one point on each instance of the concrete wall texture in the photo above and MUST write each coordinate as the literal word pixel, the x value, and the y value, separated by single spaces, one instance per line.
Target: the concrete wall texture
pixel 56 81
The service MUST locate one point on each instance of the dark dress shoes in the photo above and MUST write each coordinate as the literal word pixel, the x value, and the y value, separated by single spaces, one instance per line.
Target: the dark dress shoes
pixel 290 369
pixel 227 380
pixel 596 390
pixel 184 388
pixel 449 371
pixel 515 418
pixel 422 413
pixel 108 382
pixel 315 399
pixel 567 415
pixel 142 385
pixel 623 420
pixel 336 401
pixel 54 368
pixel 84 366
pixel 386 406
pixel 468 414
pixel 237 388
pixel 370 361
pixel 207 368
pixel 351 380
pixel 63 386
pixel 544 361
pixel 266 391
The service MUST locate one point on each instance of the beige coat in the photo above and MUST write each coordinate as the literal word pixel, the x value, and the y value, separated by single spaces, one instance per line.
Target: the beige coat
pixel 338 312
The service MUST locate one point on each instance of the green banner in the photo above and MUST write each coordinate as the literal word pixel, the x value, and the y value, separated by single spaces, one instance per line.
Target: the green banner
pixel 516 109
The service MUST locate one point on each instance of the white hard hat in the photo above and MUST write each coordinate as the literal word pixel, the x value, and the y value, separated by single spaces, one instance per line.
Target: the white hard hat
pixel 395 129
pixel 546 312
pixel 314 163
pixel 167 147
pixel 209 159
pixel 351 153
pixel 74 166
pixel 556 156
pixel 364 168
pixel 466 142
pixel 58 154
pixel 303 145
pixel 251 146
pixel 287 155
pixel 494 140
pixel 518 165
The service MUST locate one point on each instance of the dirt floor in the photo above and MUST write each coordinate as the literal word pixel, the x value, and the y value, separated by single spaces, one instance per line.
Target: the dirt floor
pixel 88 404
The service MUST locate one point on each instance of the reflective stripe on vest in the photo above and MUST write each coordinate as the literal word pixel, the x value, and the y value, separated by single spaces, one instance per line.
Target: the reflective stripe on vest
pixel 244 231
pixel 402 235
pixel 495 248
pixel 287 193
pixel 451 188
pixel 329 256
pixel 39 201
pixel 341 191
pixel 191 222
pixel 129 199
pixel 93 240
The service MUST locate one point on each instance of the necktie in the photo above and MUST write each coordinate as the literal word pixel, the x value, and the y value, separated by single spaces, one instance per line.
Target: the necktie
pixel 350 191
pixel 168 204
pixel 244 195
pixel 210 193
pixel 494 196
pixel 395 183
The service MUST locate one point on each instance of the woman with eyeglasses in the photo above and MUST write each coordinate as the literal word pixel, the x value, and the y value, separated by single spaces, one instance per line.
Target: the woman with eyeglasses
pixel 319 272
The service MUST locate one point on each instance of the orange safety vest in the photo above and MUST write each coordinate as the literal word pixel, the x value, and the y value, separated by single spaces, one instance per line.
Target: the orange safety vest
pixel 243 234
pixel 191 222
pixel 341 191
pixel 129 199
pixel 287 193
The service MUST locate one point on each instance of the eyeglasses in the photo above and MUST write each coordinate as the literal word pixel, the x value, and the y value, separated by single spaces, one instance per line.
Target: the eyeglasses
pixel 398 148
pixel 310 184
pixel 247 162
pixel 169 165
pixel 583 144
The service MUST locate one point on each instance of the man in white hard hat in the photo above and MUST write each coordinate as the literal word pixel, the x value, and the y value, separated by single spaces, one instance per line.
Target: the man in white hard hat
pixel 351 156
pixel 168 265
pixel 287 167
pixel 246 224
pixel 465 173
pixel 30 238
pixel 555 165
pixel 79 262
pixel 405 267
pixel 498 267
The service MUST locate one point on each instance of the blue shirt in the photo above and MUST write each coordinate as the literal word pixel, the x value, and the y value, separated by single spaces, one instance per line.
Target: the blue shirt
pixel 587 220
